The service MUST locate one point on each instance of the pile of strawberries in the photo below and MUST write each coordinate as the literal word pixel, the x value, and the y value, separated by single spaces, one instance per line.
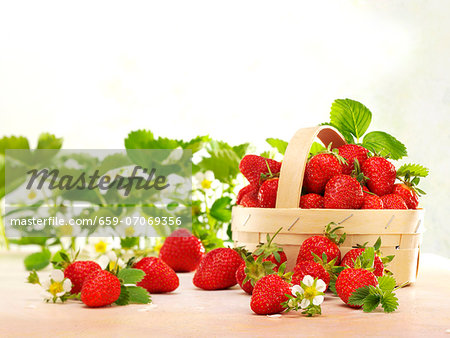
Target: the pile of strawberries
pixel 260 273
pixel 348 177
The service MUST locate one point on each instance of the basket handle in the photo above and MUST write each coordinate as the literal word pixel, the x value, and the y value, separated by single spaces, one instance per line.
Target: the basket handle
pixel 294 163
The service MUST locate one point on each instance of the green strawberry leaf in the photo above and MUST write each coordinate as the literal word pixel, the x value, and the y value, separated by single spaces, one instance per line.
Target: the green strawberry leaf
pixel 371 302
pixel 13 142
pixel 413 170
pixel 278 144
pixel 124 297
pixel 220 209
pixel 384 144
pixel 389 302
pixel 350 116
pixel 138 295
pixel 129 242
pixel 38 260
pixel 386 283
pixel 358 296
pixel 49 141
pixel 131 276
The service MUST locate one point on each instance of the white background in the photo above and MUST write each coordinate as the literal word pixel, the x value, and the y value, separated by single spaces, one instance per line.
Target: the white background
pixel 237 70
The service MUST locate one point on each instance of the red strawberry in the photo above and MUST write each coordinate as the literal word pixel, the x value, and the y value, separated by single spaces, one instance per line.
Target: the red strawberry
pixel 240 276
pixel 311 201
pixel 351 279
pixel 250 201
pixel 271 251
pixel 252 270
pixel 350 257
pixel 182 251
pixel 381 175
pixel 393 201
pixel 78 271
pixel 100 288
pixel 319 169
pixel 320 244
pixel 248 189
pixel 253 166
pixel 352 152
pixel 312 268
pixel 217 270
pixel 372 202
pixel 408 194
pixel 159 277
pixel 267 195
pixel 343 192
pixel 268 295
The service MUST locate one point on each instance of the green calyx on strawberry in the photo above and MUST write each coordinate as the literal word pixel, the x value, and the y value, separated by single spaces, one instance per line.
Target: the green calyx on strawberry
pixel 409 175
pixel 257 268
pixel 330 233
pixel 271 251
pixel 330 267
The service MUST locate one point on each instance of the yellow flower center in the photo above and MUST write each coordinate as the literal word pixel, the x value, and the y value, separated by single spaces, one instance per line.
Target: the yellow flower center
pixel 100 247
pixel 32 195
pixel 206 184
pixel 129 231
pixel 55 288
pixel 310 292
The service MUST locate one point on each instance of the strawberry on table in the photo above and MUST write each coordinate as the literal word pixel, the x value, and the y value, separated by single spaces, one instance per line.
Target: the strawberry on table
pixel 268 295
pixel 343 192
pixel 393 201
pixel 352 152
pixel 78 271
pixel 319 170
pixel 318 245
pixel 311 201
pixel 159 277
pixel 217 270
pixel 100 288
pixel 381 175
pixel 182 251
pixel 351 279
pixel 255 167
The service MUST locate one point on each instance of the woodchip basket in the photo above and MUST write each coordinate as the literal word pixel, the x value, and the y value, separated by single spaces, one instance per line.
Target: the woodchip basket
pixel 400 230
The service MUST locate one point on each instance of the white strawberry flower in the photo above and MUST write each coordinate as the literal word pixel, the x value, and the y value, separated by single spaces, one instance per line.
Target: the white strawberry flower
pixel 56 286
pixel 312 291
pixel 110 260
pixel 205 180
